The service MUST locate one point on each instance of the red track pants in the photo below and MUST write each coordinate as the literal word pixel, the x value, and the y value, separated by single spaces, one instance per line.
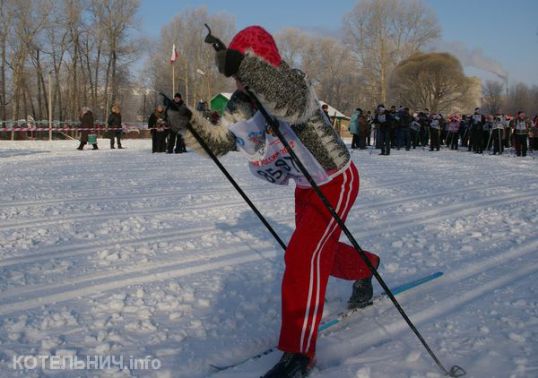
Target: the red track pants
pixel 313 254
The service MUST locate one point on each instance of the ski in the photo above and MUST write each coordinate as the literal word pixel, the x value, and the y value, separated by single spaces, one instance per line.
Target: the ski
pixel 343 315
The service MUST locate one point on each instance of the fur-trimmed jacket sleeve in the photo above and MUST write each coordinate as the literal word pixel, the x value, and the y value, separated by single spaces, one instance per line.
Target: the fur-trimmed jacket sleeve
pixel 217 137
pixel 284 92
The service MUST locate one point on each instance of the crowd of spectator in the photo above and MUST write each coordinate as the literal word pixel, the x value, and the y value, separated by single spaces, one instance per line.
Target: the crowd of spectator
pixel 477 132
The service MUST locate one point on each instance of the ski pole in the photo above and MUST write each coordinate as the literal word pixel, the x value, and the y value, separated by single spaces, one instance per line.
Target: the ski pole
pixel 455 371
pixel 233 182
pixel 489 140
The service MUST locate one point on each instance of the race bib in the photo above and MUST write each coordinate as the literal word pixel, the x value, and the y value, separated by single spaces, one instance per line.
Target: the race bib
pixel 521 125
pixel 269 160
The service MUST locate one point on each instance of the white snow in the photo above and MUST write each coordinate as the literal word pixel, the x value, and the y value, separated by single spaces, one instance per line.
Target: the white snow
pixel 155 257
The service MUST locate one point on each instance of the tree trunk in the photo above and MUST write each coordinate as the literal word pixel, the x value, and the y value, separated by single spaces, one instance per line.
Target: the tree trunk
pixel 107 80
pixel 113 78
pixel 96 81
pixel 74 104
pixel 3 97
pixel 41 89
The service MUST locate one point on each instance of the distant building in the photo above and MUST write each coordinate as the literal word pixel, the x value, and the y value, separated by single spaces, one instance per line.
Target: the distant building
pixel 339 120
pixel 219 101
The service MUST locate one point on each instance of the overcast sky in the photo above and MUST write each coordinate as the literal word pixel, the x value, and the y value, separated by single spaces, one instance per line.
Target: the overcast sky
pixel 492 38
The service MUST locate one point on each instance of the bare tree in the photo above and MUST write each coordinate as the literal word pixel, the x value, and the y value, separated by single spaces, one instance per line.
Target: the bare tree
pixel 196 76
pixel 328 63
pixel 73 24
pixel 5 26
pixel 28 20
pixel 522 97
pixel 383 32
pixel 57 44
pixel 492 99
pixel 84 45
pixel 292 45
pixel 435 81
pixel 118 17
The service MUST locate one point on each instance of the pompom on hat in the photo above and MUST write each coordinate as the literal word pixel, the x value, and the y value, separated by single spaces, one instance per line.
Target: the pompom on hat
pixel 258 40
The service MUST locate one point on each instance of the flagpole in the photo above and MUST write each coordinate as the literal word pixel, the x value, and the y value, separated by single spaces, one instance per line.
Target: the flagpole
pixel 173 59
pixel 186 82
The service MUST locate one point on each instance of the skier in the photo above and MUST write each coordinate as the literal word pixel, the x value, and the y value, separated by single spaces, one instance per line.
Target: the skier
pixel 354 128
pixel 487 132
pixel 314 251
pixel 453 132
pixel 533 134
pixel 383 122
pixel 464 130
pixel 521 127
pixel 364 130
pixel 498 130
pixel 477 132
pixel 424 132
pixel 404 136
pixel 435 131
pixel 176 144
pixel 414 130
pixel 507 131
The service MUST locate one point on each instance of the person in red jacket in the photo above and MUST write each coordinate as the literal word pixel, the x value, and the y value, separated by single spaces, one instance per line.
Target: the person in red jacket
pixel 314 251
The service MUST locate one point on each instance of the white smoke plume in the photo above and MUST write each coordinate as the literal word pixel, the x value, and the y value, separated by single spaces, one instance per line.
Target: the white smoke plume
pixel 471 57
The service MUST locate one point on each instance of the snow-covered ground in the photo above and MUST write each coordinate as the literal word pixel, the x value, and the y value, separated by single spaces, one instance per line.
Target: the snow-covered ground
pixel 135 255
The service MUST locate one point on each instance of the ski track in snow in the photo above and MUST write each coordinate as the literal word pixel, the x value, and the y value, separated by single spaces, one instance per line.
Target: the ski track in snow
pixel 134 254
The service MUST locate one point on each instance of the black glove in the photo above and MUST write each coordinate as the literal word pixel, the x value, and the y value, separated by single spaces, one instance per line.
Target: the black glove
pixel 228 61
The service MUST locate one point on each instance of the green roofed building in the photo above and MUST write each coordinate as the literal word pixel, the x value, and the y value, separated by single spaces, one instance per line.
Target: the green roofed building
pixel 219 101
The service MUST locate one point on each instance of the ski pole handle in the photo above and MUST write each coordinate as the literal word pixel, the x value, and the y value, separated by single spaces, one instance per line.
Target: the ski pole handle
pixel 217 44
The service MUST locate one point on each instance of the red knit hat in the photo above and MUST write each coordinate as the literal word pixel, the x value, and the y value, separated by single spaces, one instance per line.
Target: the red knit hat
pixel 258 40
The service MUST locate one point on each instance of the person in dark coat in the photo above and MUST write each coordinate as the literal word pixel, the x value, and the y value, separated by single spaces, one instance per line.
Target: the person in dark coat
pixel 404 135
pixel 363 131
pixel 383 122
pixel 354 128
pixel 477 132
pixel 424 132
pixel 177 126
pixel 498 135
pixel 114 123
pixel 435 132
pixel 156 124
pixel 86 126
pixel 464 131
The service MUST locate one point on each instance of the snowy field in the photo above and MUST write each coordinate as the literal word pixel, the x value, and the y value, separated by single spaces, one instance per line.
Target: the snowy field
pixel 135 255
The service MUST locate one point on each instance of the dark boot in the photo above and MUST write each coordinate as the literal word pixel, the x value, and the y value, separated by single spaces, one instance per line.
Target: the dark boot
pixel 95 147
pixel 81 146
pixel 291 365
pixel 362 294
